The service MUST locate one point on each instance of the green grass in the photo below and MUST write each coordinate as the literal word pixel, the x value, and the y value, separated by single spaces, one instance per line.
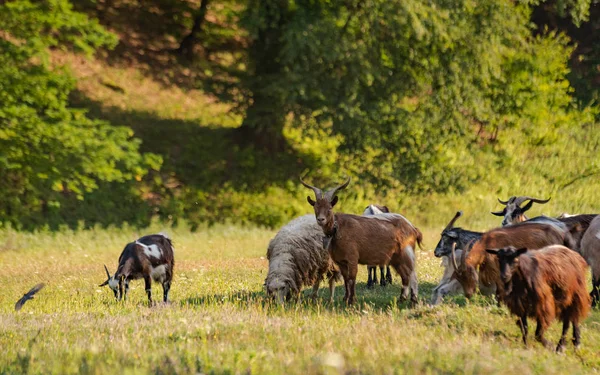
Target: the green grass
pixel 220 322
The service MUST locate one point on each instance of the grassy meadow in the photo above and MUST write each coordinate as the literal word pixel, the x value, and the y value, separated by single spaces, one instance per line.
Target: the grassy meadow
pixel 220 322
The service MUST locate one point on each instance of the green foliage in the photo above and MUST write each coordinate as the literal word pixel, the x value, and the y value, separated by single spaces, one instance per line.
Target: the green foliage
pixel 51 154
pixel 415 90
pixel 577 10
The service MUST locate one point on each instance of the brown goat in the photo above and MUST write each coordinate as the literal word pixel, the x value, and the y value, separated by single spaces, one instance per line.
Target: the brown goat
pixel 372 240
pixel 545 284
pixel 528 235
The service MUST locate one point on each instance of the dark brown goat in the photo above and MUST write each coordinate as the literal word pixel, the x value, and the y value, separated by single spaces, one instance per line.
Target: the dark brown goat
pixel 151 258
pixel 527 235
pixel 373 240
pixel 545 284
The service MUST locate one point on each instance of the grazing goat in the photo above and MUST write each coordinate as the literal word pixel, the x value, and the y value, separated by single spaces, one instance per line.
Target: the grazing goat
pixel 374 209
pixel 297 258
pixel 453 237
pixel 447 284
pixel 373 240
pixel 590 250
pixel 528 235
pixel 151 258
pixel 513 212
pixel 544 284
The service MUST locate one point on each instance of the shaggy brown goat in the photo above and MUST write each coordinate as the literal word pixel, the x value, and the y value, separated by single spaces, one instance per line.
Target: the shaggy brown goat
pixel 373 240
pixel 575 227
pixel 528 235
pixel 545 284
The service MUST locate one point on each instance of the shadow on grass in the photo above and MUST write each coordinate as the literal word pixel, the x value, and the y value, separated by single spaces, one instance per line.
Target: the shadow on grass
pixel 379 299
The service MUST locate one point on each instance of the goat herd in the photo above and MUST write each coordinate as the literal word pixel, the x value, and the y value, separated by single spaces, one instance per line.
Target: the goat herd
pixel 537 266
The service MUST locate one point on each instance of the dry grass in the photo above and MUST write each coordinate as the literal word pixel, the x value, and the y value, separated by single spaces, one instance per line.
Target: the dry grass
pixel 219 320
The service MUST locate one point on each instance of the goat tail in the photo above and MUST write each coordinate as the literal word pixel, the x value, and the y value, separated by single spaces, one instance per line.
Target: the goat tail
pixel 419 238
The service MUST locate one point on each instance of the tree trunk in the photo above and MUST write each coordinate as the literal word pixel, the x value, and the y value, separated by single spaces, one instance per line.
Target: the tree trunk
pixel 189 42
pixel 265 117
pixel 263 124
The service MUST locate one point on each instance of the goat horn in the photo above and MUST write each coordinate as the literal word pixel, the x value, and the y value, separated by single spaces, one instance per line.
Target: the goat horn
pixel 331 193
pixel 107 273
pixel 451 223
pixel 503 202
pixel 318 192
pixel 521 200
pixel 454 256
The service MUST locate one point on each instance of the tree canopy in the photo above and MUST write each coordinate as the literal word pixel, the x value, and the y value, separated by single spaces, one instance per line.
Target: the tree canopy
pixel 421 98
pixel 48 151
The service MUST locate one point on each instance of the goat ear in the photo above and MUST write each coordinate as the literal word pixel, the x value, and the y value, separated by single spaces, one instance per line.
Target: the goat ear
pixel 492 251
pixel 498 213
pixel 310 201
pixel 520 251
pixel 527 206
pixel 104 283
pixel 334 201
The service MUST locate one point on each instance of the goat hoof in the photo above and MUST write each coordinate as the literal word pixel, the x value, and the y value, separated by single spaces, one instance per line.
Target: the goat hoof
pixel 560 348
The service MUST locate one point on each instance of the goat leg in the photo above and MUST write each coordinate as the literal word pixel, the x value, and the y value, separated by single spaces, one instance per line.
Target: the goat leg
pixel 372 275
pixel 315 290
pixel 576 335
pixel 382 276
pixel 352 271
pixel 331 287
pixel 539 334
pixel 595 294
pixel 522 323
pixel 148 286
pixel 563 338
pixel 388 276
pixel 414 289
pixel 166 287
pixel 126 289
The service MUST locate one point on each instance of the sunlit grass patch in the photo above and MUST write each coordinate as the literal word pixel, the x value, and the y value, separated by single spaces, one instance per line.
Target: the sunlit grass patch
pixel 220 320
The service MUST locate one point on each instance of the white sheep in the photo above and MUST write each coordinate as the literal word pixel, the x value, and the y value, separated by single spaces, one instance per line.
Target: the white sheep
pixel 297 258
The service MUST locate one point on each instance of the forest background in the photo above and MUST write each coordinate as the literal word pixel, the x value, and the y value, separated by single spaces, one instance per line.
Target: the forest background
pixel 204 111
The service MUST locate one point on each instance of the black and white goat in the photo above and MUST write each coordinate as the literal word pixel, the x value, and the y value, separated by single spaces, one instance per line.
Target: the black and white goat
pixel 151 258
pixel 374 209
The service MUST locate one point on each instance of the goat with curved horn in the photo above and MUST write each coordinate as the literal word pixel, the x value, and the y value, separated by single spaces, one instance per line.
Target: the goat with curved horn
pixel 318 192
pixel 521 200
pixel 451 223
pixel 107 276
pixel 376 240
pixel 454 257
pixel 506 201
pixel 331 193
